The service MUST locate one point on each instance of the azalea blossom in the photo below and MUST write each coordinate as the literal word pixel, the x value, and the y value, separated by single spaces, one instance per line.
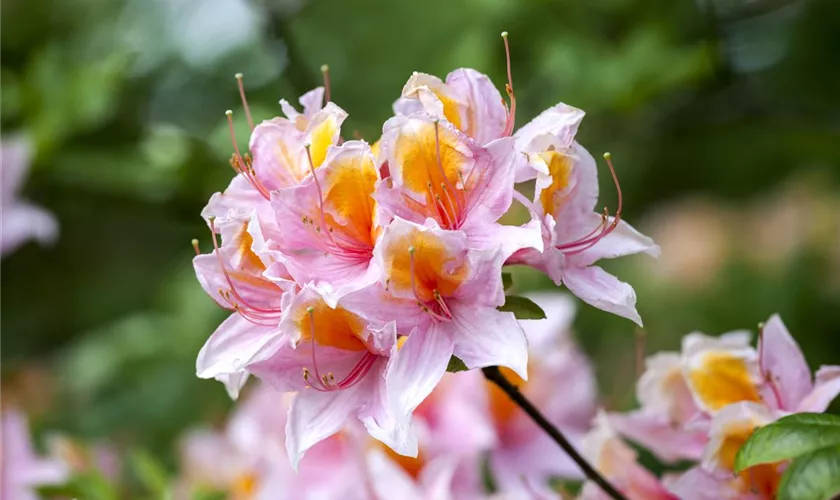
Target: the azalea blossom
pixel 21 469
pixel 682 392
pixel 355 273
pixel 330 223
pixel 574 235
pixel 438 172
pixel 21 220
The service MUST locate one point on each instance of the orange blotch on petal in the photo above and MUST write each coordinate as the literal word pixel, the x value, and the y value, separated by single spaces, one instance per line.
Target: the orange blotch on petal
pixel 349 194
pixel 416 154
pixel 336 328
pixel 322 137
pixel 722 379
pixel 560 167
pixel 435 267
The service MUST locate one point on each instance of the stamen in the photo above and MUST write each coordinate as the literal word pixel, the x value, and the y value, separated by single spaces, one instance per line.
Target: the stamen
pixel 325 70
pixel 255 313
pixel 456 207
pixel 442 303
pixel 240 165
pixel 241 86
pixel 411 273
pixel 311 312
pixel 509 89
pixel 589 240
pixel 195 246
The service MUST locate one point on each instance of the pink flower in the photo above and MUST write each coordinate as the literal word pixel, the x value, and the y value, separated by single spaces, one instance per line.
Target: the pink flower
pixel 438 172
pixel 681 392
pixel 21 470
pixel 574 235
pixel 21 221
pixel 247 460
pixel 468 100
pixel 444 295
pixel 453 433
pixel 329 222
pixel 561 384
pixel 714 478
pixel 334 360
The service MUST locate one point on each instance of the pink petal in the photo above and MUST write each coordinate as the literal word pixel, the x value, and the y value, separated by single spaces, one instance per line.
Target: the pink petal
pixel 315 416
pixel 485 113
pixel 556 126
pixel 485 336
pixel 600 289
pixel 826 388
pixel 417 368
pixel 783 365
pixel 389 480
pixel 624 240
pixel 653 431
pixel 22 222
pixel 699 484
pixel 234 344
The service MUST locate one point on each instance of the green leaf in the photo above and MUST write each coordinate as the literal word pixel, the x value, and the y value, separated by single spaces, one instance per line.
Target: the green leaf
pixel 88 485
pixel 456 365
pixel 815 476
pixel 789 437
pixel 507 281
pixel 522 307
pixel 150 472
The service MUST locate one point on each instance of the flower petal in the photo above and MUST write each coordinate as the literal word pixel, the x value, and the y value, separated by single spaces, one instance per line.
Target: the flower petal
pixel 315 416
pixel 783 365
pixel 600 289
pixel 485 114
pixel 556 126
pixel 655 432
pixel 485 336
pixel 826 388
pixel 231 347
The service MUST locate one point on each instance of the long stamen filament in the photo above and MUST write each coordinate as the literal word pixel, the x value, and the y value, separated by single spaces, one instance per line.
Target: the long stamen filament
pixel 311 312
pixel 241 86
pixel 509 88
pixel 268 313
pixel 240 165
pixel 324 227
pixel 195 246
pixel 445 185
pixel 589 241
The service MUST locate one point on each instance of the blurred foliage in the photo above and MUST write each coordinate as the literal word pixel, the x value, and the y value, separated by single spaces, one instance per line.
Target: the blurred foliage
pixel 125 101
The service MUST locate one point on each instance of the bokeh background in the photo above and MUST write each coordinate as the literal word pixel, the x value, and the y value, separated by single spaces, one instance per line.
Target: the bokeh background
pixel 722 117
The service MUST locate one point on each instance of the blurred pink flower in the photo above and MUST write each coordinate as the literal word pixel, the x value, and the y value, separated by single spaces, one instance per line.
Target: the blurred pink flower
pixel 248 461
pixel 21 221
pixel 562 385
pixel 21 470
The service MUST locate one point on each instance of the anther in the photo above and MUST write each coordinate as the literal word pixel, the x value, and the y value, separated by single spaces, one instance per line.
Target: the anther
pixel 241 86
pixel 325 70
pixel 195 246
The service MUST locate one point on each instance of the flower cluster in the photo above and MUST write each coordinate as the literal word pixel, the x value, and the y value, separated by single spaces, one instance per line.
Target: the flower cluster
pixel 355 271
pixel 465 426
pixel 701 405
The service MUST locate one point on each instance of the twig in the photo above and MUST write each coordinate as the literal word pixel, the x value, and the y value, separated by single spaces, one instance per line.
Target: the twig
pixel 493 374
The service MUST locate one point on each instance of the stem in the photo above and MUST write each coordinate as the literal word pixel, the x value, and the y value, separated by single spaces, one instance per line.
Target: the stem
pixel 493 374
